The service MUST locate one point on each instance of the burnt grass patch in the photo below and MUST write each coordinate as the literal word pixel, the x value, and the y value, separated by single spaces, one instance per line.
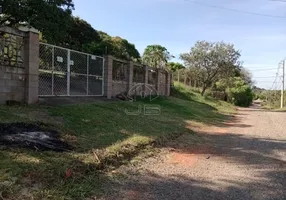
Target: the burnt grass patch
pixel 37 137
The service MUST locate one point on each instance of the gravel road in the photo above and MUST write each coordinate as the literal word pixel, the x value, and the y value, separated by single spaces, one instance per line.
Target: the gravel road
pixel 243 159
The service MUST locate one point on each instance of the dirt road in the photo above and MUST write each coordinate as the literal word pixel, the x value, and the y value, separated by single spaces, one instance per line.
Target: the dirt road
pixel 244 159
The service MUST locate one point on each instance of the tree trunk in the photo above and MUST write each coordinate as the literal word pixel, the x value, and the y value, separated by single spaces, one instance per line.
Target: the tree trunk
pixel 204 90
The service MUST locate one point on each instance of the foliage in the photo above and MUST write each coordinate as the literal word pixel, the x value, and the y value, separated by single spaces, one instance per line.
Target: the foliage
pixel 52 18
pixel 245 75
pixel 57 26
pixel 174 66
pixel 79 34
pixel 238 91
pixel 156 56
pixel 212 61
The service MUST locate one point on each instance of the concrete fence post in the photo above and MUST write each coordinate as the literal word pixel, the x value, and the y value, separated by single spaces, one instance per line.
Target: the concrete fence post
pixel 31 64
pixel 158 81
pixel 146 80
pixel 130 75
pixel 168 83
pixel 108 63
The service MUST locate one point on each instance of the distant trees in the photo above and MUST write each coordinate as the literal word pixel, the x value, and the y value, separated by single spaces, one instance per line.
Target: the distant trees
pixel 212 61
pixel 156 56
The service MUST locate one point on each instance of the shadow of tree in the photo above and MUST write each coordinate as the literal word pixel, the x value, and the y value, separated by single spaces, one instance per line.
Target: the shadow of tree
pixel 263 172
pixel 46 172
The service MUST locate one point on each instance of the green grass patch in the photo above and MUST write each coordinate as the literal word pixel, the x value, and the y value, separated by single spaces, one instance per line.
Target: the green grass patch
pixel 102 135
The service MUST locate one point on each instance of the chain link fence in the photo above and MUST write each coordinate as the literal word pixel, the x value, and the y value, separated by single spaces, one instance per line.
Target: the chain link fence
pixel 64 72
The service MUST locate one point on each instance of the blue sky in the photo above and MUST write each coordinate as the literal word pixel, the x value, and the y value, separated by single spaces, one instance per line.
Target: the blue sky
pixel 178 24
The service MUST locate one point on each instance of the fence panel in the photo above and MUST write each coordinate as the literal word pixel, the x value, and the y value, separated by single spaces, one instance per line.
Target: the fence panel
pixel 65 72
pixel 95 75
pixel 139 74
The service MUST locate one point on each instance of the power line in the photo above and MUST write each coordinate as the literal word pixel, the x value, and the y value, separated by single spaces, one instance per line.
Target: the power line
pixel 265 77
pixel 275 77
pixel 234 10
pixel 263 69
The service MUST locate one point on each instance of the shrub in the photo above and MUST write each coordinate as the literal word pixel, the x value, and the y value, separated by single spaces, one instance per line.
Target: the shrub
pixel 241 96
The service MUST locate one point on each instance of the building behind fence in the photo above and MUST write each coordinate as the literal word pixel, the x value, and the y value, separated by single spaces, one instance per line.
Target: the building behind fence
pixel 30 69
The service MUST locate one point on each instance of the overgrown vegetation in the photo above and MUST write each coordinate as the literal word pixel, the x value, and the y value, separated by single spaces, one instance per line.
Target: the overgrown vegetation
pixel 236 91
pixel 271 99
pixel 102 136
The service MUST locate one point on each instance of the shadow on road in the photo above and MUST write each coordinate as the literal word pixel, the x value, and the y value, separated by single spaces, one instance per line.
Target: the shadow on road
pixel 259 169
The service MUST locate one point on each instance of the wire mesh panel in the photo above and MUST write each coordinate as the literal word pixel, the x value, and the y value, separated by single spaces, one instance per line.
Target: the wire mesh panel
pixel 65 72
pixel 46 70
pixel 120 71
pixel 59 72
pixel 152 76
pixel 138 74
pixel 95 75
pixel 78 73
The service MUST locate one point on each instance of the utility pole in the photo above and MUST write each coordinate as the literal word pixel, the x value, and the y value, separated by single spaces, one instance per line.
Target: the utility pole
pixel 282 89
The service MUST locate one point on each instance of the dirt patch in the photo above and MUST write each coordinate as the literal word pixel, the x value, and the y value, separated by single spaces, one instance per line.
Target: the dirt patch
pixel 184 159
pixel 32 136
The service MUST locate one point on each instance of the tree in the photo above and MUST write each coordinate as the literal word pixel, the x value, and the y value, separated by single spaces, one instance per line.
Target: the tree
pixel 212 61
pixel 245 75
pixel 174 66
pixel 52 18
pixel 156 56
pixel 79 35
pixel 115 46
pixel 48 17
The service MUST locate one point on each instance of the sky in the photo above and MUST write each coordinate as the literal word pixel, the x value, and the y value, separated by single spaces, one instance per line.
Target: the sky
pixel 178 24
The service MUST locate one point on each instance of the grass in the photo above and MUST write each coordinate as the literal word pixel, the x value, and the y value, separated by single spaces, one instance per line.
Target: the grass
pixel 102 135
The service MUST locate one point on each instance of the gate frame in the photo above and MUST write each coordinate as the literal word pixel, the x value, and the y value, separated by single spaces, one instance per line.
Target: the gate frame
pixel 68 73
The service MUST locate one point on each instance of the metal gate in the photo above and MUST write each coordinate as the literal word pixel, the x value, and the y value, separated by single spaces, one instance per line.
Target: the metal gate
pixel 65 72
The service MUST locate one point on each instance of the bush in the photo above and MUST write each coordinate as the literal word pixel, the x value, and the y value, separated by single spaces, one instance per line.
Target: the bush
pixel 236 91
pixel 240 95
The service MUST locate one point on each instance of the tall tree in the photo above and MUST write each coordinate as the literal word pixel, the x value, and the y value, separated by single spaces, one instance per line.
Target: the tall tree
pixel 52 18
pixel 115 46
pixel 212 61
pixel 245 75
pixel 156 56
pixel 79 35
